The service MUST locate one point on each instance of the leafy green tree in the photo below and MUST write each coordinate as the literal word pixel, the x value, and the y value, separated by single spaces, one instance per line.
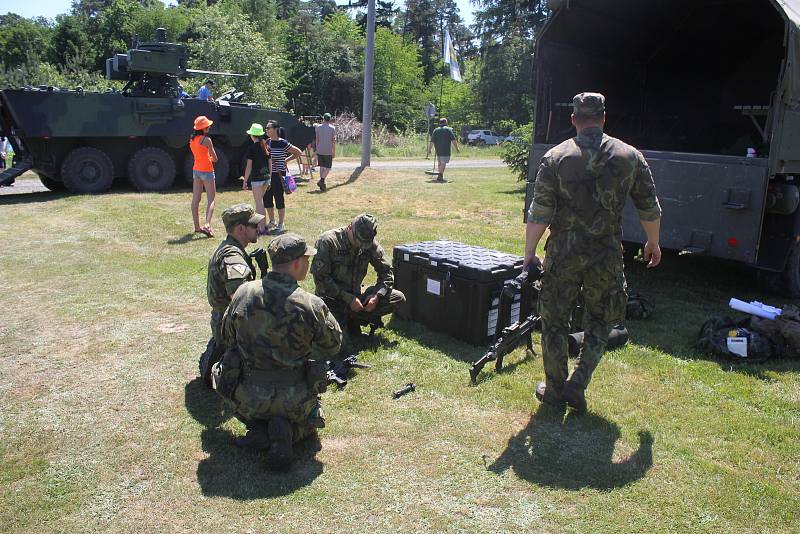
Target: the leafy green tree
pixel 399 91
pixel 515 152
pixel 71 39
pixel 176 20
pixel 226 40
pixel 21 38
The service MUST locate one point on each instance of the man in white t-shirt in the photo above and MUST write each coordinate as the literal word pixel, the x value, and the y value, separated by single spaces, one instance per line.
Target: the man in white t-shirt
pixel 326 149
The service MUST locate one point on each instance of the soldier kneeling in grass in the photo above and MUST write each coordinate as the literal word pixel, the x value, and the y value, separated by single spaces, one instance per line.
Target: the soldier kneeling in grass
pixel 282 336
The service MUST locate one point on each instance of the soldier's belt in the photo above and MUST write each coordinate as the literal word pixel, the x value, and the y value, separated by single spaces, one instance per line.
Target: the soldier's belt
pixel 274 376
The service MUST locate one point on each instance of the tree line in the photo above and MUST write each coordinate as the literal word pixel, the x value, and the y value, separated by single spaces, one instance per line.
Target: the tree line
pixel 306 56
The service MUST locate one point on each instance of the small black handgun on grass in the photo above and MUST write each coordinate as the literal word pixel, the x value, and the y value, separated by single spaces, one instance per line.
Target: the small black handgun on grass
pixel 338 371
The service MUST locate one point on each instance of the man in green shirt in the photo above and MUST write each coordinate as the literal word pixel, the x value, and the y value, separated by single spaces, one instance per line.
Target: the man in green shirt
pixel 441 138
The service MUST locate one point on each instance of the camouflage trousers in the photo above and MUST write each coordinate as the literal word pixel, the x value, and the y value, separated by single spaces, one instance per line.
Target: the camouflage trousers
pixel 596 272
pixel 348 319
pixel 261 401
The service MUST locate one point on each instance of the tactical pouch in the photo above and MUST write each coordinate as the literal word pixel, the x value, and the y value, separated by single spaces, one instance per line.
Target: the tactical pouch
pixel 316 376
pixel 225 374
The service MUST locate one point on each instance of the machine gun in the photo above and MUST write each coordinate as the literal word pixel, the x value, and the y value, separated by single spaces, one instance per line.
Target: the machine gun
pixel 153 68
pixel 337 372
pixel 507 339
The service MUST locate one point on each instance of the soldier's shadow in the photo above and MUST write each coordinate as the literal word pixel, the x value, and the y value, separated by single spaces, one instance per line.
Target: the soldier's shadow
pixel 574 453
pixel 229 471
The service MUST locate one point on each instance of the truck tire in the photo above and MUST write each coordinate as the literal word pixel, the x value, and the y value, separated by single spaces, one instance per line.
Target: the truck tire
pixel 87 170
pixel 151 169
pixel 785 283
pixel 221 168
pixel 791 275
pixel 49 183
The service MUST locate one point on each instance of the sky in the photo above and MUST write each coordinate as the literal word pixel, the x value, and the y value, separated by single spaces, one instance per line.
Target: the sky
pixel 51 8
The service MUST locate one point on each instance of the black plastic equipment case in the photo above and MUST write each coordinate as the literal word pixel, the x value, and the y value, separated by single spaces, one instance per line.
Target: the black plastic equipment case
pixel 454 288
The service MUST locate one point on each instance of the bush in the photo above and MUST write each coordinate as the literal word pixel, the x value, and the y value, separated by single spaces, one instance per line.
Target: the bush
pixel 515 153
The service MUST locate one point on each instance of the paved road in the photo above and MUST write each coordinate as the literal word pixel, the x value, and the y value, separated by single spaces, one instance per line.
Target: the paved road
pixel 29 182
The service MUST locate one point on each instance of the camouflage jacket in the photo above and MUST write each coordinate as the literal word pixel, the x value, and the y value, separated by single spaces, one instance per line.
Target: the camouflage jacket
pixel 278 325
pixel 339 267
pixel 229 267
pixel 583 183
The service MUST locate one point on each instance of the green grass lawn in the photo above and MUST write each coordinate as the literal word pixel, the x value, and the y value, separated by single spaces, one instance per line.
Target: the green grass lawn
pixel 415 147
pixel 105 427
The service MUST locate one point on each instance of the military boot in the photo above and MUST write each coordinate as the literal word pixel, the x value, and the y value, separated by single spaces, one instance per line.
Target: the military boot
pixel 574 396
pixel 256 439
pixel 548 397
pixel 279 457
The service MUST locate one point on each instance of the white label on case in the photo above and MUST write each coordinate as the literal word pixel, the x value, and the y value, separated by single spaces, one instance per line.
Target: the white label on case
pixel 405 257
pixel 433 263
pixel 434 287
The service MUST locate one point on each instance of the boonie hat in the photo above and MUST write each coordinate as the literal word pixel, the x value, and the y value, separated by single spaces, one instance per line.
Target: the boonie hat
pixel 287 248
pixel 256 130
pixel 589 104
pixel 202 122
pixel 365 228
pixel 240 214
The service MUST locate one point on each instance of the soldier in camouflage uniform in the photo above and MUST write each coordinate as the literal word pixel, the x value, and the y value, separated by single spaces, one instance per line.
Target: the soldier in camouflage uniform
pixel 229 267
pixel 580 192
pixel 282 336
pixel 339 268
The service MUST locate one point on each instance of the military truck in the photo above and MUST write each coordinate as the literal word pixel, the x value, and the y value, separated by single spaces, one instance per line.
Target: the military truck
pixel 710 92
pixel 83 141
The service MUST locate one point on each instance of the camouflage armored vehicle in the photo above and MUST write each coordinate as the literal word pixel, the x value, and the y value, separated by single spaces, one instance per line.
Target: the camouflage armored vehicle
pixel 83 141
pixel 710 91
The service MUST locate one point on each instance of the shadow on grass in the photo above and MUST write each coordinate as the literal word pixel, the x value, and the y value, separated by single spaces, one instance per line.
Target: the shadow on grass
pixel 438 341
pixel 351 180
pixel 519 190
pixel 188 238
pixel 687 291
pixel 573 453
pixel 235 473
pixel 26 197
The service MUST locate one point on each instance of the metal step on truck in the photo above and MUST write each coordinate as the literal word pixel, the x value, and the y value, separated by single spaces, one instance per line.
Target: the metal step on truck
pixel 710 92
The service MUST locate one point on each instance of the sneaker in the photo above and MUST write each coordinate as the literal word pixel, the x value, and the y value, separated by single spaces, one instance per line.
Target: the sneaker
pixel 279 229
pixel 322 186
pixel 279 456
pixel 270 226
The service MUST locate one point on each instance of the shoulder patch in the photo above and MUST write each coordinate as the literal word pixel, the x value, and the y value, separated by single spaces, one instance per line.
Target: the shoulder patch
pixel 236 271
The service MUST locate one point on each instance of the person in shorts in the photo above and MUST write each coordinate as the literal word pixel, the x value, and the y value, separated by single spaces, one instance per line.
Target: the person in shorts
pixel 326 149
pixel 280 151
pixel 203 173
pixel 441 138
pixel 257 170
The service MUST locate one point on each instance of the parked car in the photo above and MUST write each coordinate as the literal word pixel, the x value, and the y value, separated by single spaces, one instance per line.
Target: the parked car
pixel 485 137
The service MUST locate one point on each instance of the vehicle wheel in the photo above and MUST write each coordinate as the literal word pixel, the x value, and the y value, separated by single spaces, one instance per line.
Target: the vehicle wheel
pixel 786 283
pixel 151 169
pixel 49 183
pixel 87 170
pixel 791 275
pixel 221 168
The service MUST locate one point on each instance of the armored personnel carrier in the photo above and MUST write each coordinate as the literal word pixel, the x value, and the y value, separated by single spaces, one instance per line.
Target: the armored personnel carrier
pixel 83 141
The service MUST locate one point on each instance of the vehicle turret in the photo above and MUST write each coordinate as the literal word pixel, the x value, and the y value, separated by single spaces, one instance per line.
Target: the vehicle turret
pixel 154 68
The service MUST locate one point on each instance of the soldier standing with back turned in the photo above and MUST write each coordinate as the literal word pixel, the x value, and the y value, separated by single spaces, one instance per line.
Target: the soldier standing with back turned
pixel 229 267
pixel 580 192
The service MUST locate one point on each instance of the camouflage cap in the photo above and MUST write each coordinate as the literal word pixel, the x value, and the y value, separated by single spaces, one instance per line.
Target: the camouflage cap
pixel 240 214
pixel 589 104
pixel 288 247
pixel 365 228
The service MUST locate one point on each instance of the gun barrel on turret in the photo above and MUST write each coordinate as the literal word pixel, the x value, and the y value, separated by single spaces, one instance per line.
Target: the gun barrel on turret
pixel 194 72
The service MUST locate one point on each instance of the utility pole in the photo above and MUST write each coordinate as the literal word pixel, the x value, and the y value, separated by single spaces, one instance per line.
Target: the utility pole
pixel 369 67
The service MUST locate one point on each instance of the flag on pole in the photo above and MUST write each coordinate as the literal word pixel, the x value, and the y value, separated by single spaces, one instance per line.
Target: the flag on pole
pixel 450 57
